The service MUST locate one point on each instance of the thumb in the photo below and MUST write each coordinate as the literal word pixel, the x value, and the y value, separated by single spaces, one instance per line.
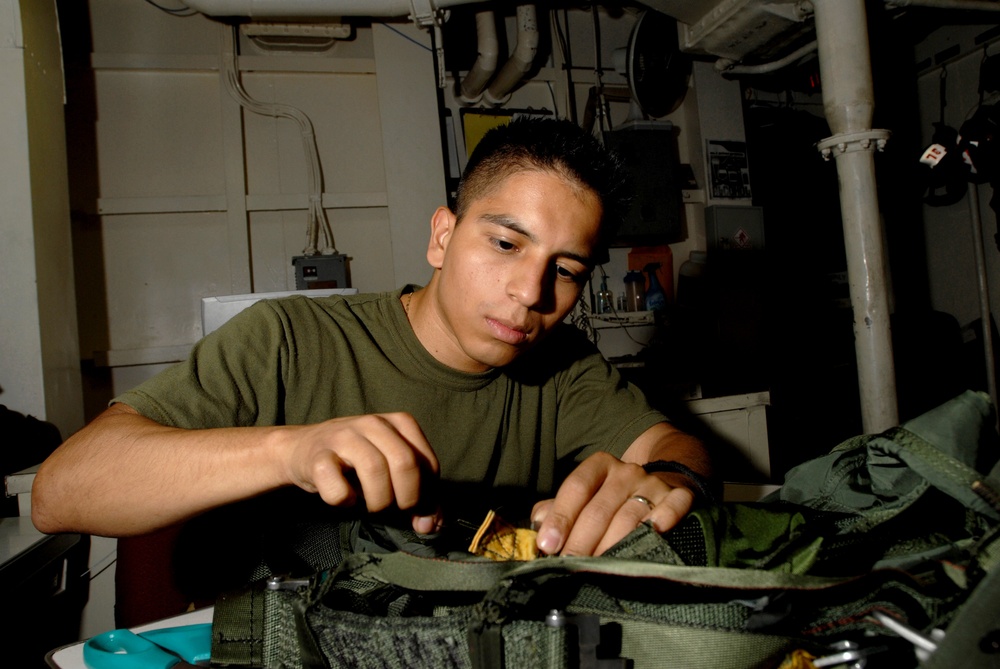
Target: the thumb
pixel 540 512
pixel 428 524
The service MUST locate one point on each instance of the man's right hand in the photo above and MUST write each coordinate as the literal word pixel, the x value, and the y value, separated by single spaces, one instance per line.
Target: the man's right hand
pixel 380 459
pixel 124 474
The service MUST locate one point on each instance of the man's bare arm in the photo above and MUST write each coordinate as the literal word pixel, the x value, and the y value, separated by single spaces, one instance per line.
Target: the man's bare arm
pixel 124 474
pixel 597 505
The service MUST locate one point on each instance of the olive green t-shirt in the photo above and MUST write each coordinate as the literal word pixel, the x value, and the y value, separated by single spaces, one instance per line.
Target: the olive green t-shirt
pixel 302 360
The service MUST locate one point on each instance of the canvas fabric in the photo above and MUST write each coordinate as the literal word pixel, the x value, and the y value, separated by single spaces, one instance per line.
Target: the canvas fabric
pixel 903 523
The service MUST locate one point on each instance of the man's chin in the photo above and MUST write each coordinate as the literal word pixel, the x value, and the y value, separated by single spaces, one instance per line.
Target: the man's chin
pixel 501 354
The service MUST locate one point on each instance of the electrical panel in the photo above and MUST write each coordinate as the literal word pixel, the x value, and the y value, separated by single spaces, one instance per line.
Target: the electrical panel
pixel 320 271
pixel 734 228
pixel 648 150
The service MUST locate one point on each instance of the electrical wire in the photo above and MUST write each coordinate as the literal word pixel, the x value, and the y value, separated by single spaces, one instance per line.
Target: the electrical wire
pixel 603 109
pixel 316 215
pixel 552 94
pixel 183 10
pixel 567 60
pixel 407 37
pixel 585 322
pixel 580 317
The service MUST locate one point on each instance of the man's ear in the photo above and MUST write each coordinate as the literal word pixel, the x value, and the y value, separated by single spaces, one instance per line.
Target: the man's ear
pixel 442 225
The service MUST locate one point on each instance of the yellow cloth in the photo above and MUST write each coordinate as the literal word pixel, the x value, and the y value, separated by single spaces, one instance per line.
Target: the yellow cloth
pixel 798 659
pixel 502 542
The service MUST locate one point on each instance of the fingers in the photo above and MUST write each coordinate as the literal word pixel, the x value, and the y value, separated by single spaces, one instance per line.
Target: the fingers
pixel 388 463
pixel 583 508
pixel 601 502
pixel 672 509
pixel 381 460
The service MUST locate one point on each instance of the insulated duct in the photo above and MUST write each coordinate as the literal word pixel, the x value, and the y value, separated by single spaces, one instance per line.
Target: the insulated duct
pixel 520 61
pixel 482 70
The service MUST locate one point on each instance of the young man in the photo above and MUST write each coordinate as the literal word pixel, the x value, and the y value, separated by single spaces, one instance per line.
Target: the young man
pixel 423 402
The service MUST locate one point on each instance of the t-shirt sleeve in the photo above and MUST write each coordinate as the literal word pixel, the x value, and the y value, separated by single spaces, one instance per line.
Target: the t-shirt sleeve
pixel 233 377
pixel 598 410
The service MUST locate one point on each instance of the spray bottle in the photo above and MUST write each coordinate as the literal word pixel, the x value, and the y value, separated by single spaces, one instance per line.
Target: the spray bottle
pixel 656 299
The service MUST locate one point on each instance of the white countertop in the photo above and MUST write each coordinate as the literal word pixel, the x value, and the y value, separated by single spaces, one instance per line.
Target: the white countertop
pixel 17 535
pixel 71 657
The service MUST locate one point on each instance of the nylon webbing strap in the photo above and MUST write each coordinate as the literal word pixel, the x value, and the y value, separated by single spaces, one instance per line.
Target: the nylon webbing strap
pixel 238 629
pixel 973 637
pixel 942 470
pixel 416 573
pixel 429 574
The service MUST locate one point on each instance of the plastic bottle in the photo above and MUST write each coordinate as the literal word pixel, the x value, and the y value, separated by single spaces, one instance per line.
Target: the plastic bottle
pixel 635 291
pixel 605 299
pixel 641 256
pixel 656 299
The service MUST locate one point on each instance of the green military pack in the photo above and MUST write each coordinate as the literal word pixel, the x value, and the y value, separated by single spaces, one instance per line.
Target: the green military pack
pixel 885 552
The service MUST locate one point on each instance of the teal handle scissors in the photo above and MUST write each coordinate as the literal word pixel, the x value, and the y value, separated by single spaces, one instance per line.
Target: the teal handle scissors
pixel 155 649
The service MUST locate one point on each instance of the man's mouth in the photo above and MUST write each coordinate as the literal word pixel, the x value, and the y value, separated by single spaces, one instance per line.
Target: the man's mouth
pixel 508 333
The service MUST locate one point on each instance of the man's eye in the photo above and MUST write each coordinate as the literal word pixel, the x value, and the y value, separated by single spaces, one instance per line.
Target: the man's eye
pixel 503 244
pixel 567 273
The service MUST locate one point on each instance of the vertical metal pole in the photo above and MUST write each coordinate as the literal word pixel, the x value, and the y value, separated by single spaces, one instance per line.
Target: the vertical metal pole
pixel 848 100
pixel 984 291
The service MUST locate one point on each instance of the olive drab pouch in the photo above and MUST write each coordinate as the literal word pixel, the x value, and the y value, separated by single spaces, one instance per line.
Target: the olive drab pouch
pixel 884 552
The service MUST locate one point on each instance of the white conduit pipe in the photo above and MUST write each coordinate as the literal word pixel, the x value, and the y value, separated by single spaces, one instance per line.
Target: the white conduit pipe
pixel 848 100
pixel 726 66
pixel 482 70
pixel 520 61
pixel 317 216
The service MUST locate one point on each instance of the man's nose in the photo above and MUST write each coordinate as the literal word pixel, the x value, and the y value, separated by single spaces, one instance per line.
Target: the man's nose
pixel 529 284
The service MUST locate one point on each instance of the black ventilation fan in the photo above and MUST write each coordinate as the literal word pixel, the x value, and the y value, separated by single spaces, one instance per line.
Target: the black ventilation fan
pixel 656 70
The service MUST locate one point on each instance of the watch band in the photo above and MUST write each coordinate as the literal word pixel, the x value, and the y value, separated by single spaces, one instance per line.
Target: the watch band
pixel 702 484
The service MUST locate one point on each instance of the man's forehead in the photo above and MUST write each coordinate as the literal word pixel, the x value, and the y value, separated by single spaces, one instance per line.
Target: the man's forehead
pixel 582 248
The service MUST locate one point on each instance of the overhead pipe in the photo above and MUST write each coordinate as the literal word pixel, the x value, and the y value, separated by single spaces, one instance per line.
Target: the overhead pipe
pixel 482 70
pixel 424 13
pixel 849 102
pixel 417 9
pixel 728 66
pixel 520 61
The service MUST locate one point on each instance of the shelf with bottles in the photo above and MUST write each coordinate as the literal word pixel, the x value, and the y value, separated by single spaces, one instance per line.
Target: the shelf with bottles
pixel 617 319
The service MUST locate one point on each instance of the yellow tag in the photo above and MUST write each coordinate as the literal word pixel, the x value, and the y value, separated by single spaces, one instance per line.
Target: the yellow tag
pixel 501 542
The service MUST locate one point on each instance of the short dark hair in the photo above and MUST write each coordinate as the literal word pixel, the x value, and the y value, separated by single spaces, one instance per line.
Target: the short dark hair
pixel 560 146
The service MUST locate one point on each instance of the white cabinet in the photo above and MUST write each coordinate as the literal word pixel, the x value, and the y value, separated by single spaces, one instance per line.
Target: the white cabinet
pixel 99 613
pixel 740 422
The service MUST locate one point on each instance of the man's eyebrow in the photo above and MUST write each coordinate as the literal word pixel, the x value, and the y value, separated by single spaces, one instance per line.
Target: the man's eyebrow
pixel 511 224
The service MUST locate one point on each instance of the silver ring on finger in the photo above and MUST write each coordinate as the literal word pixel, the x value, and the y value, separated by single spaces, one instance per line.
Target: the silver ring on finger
pixel 640 498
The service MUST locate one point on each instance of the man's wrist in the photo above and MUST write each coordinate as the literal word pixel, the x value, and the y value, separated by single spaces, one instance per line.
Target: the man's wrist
pixel 701 485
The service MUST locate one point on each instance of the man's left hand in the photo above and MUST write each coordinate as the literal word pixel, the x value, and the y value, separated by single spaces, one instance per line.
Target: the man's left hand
pixel 605 498
pixel 602 501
